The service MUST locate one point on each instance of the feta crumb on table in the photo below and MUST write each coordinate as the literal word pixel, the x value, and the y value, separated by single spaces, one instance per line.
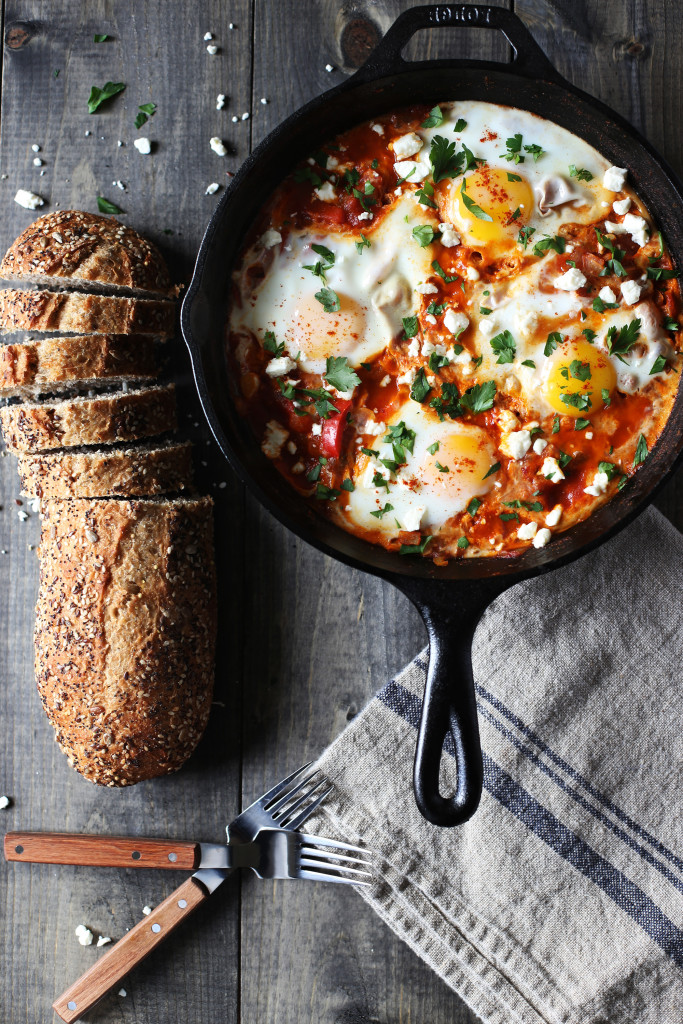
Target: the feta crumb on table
pixel 29 200
pixel 143 146
pixel 84 935
pixel 103 940
pixel 4 802
pixel 212 188
pixel 217 145
pixel 220 101
pixel 212 49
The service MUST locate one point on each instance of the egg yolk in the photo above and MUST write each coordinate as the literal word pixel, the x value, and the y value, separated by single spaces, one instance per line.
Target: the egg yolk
pixel 579 374
pixel 465 459
pixel 506 205
pixel 318 334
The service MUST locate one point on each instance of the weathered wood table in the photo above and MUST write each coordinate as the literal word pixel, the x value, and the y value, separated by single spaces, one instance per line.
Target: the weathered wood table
pixel 304 640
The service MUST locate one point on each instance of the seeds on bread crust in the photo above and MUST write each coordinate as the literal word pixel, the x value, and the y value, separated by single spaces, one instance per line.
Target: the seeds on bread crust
pixel 110 472
pixel 102 419
pixel 83 313
pixel 83 247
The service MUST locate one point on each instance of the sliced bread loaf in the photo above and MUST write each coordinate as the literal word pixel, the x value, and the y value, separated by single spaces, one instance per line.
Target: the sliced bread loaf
pixel 108 472
pixel 86 249
pixel 41 366
pixel 101 419
pixel 125 633
pixel 83 313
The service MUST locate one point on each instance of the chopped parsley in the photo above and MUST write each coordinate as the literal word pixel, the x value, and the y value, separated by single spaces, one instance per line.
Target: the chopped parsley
pixel 580 173
pixel 641 451
pixel 613 265
pixel 480 397
pixel 524 236
pixel 508 516
pixel 577 400
pixel 420 387
pixel 620 341
pixel 402 439
pixel 530 363
pixel 348 485
pixel 581 424
pixel 363 244
pixel 434 119
pixel 145 111
pixel 460 125
pixel 474 506
pixel 564 460
pixel 514 177
pixel 99 96
pixel 424 195
pixel 424 234
pixel 463 543
pixel 531 506
pixel 100 38
pixel 411 326
pixel 415 549
pixel 448 402
pixel 436 362
pixel 270 344
pixel 610 470
pixel 554 242
pixel 104 206
pixel 658 365
pixel 514 149
pixel 484 310
pixel 471 205
pixel 436 310
pixel 589 334
pixel 579 370
pixel 442 469
pixel 607 401
pixel 433 448
pixel 328 299
pixel 504 345
pixel 382 511
pixel 339 374
pixel 491 470
pixel 446 278
pixel 600 306
pixel 323 493
pixel 661 273
pixel 670 324
pixel 446 163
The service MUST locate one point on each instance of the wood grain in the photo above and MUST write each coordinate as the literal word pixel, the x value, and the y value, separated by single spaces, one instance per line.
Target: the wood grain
pixel 305 641
pixel 130 951
pixel 100 851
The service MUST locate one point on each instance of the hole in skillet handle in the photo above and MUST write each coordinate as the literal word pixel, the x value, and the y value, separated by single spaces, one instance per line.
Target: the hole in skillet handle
pixel 448 722
pixel 529 58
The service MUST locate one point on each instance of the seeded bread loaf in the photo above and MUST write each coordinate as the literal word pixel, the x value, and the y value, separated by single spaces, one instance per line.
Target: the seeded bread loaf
pixel 108 472
pixel 125 633
pixel 102 419
pixel 36 367
pixel 83 313
pixel 87 249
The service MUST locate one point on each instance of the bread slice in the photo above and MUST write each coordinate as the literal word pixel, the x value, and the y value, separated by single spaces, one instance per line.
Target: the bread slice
pixel 36 367
pixel 83 313
pixel 149 469
pixel 86 250
pixel 125 633
pixel 101 419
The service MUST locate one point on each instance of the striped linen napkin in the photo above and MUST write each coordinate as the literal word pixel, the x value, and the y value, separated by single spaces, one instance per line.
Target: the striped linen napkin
pixel 562 899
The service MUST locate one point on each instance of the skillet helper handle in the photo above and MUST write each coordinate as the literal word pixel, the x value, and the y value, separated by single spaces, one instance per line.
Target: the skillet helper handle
pixel 529 58
pixel 100 851
pixel 129 951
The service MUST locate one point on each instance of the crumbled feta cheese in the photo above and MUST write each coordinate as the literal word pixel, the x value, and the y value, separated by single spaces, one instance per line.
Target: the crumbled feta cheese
pixel 472 274
pixel 122 992
pixel 291 447
pixel 516 444
pixel 326 192
pixel 212 188
pixel 588 435
pixel 234 119
pixel 413 517
pixel 636 227
pixel 614 178
pixel 488 327
pixel 279 367
pixel 406 378
pixel 316 429
pixel 385 381
pixel 542 538
pixel 462 358
pixel 527 322
pixel 630 292
pixel 427 289
pixel 22 515
pixel 264 100
pixel 570 281
pixel 270 238
pixel 527 531
pixel 84 935
pixel 374 427
pixel 103 940
pixel 216 145
pixel 37 162
pixel 246 115
pixel 208 36
pixel 607 295
pixel 212 49
pixel 298 467
pixel 407 145
pixel 449 236
pixel 414 348
pixel 143 146
pixel 430 318
pixel 455 322
pixel 365 215
pixel 551 469
pixel 220 101
pixel 273 439
pixel 622 206
pixel 539 445
pixel 29 200
pixel 329 67
pixel 554 516
pixel 4 802
pixel 146 911
pixel 413 170
pixel 377 128
pixel 598 486
pixel 35 147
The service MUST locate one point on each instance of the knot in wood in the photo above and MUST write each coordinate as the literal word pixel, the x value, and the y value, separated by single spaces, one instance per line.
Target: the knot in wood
pixel 358 39
pixel 19 34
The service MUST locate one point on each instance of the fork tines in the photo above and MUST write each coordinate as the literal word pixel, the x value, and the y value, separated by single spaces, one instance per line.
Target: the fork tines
pixel 305 797
pixel 326 865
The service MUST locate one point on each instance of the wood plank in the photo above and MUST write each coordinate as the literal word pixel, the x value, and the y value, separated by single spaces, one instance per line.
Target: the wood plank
pixel 324 637
pixel 159 52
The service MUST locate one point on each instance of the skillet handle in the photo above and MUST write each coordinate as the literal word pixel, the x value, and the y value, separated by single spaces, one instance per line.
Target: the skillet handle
pixel 529 58
pixel 449 708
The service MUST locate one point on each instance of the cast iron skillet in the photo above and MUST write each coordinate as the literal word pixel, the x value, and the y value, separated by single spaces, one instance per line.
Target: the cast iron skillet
pixel 451 599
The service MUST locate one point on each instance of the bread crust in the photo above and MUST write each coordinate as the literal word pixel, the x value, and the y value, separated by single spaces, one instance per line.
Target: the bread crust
pixel 78 246
pixel 39 365
pixel 125 633
pixel 84 313
pixel 103 419
pixel 112 472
